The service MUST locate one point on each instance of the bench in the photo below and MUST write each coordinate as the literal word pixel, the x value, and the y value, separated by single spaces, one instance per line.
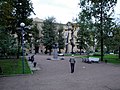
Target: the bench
pixel 93 59
pixel 86 60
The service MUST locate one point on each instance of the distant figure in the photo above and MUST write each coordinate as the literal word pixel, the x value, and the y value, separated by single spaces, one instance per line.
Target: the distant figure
pixel 29 59
pixel 32 58
pixel 42 51
pixel 0 70
pixel 72 63
pixel 34 64
pixel 106 61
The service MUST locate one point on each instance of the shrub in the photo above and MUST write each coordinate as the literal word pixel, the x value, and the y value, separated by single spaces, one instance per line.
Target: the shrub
pixel 96 54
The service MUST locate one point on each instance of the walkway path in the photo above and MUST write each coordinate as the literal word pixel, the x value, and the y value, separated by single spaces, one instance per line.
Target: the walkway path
pixel 55 75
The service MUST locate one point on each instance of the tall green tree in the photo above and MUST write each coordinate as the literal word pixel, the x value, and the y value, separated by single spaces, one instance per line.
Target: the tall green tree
pixel 6 18
pixel 6 14
pixel 49 33
pixel 99 11
pixel 61 42
pixel 13 12
pixel 22 9
pixel 116 39
pixel 85 35
pixel 7 44
pixel 35 33
pixel 109 29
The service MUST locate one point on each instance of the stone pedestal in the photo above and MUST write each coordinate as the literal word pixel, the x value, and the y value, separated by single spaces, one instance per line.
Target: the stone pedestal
pixel 55 52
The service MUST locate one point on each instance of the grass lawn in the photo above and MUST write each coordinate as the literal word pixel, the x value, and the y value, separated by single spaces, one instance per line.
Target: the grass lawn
pixel 111 58
pixel 13 66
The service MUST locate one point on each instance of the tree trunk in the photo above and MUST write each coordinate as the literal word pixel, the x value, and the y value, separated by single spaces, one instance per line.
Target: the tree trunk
pixel 50 51
pixel 119 52
pixel 80 51
pixel 101 31
pixel 72 49
pixel 66 49
pixel 59 50
pixel 18 51
pixel 46 50
pixel 36 49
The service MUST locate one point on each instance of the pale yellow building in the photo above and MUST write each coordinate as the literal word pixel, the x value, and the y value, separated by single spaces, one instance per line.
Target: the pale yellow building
pixel 39 23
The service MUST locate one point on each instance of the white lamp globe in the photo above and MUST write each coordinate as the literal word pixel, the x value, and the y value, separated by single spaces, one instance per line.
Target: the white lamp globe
pixel 22 24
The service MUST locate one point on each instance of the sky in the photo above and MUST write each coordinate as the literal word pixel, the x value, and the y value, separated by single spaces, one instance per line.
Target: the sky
pixel 62 10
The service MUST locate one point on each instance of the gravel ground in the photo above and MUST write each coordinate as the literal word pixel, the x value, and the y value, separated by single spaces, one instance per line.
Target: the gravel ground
pixel 55 75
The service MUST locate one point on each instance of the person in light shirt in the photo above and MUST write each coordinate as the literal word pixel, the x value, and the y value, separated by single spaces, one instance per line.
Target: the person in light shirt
pixel 72 63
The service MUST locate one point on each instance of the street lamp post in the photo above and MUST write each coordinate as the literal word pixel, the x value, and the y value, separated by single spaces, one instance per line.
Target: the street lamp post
pixel 31 38
pixel 22 32
pixel 101 31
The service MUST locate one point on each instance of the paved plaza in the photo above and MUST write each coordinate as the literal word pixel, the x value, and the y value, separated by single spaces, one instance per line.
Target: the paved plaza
pixel 55 75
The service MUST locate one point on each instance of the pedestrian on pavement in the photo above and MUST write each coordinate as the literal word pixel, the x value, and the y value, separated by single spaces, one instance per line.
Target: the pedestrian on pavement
pixel 72 63
pixel 32 58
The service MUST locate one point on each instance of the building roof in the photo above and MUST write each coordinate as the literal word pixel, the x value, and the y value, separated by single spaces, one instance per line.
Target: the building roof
pixel 37 20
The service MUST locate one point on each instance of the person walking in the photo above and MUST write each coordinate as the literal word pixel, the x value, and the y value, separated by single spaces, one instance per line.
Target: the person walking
pixel 32 58
pixel 72 63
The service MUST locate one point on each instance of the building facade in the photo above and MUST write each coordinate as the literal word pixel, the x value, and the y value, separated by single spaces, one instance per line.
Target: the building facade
pixel 68 36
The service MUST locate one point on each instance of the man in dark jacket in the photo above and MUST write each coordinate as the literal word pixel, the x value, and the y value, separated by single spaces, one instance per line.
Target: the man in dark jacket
pixel 72 63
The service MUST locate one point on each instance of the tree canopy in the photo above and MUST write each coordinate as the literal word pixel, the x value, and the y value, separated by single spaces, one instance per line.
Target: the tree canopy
pixel 61 42
pixel 96 20
pixel 12 13
pixel 49 33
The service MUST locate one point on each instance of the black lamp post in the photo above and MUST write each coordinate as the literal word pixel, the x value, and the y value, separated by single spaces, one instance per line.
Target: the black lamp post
pixel 31 38
pixel 101 31
pixel 22 32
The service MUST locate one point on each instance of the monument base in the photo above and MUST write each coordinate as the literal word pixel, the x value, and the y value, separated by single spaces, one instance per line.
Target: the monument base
pixel 59 58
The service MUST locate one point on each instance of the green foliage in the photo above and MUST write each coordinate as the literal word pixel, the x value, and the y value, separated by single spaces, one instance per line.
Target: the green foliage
pixel 111 56
pixel 12 13
pixel 22 10
pixel 95 17
pixel 112 59
pixel 61 42
pixel 116 37
pixel 7 44
pixel 49 32
pixel 96 54
pixel 85 35
pixel 5 13
pixel 35 34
